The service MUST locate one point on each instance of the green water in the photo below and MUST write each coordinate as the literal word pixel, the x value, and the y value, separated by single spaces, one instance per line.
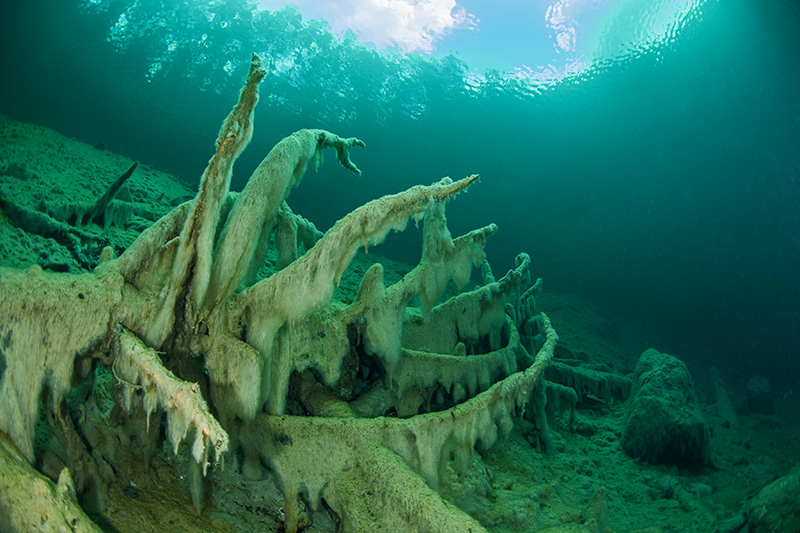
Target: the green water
pixel 660 184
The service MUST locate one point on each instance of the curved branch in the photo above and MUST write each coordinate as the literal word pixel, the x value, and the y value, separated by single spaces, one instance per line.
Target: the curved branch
pixel 307 284
pixel 243 243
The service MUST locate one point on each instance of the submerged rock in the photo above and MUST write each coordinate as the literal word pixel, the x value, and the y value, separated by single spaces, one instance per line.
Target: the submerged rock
pixel 664 423
pixel 775 508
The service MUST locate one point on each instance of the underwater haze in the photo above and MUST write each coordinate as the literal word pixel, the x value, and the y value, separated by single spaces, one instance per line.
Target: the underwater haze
pixel 646 154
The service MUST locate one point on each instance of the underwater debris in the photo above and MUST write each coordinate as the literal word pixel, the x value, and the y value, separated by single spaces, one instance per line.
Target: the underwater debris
pixel 104 211
pixel 379 394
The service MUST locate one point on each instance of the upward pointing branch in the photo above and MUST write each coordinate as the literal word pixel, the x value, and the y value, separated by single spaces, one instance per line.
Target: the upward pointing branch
pixel 99 208
pixel 193 259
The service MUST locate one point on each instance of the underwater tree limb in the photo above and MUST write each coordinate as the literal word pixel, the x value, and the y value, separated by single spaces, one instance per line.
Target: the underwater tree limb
pixel 138 366
pixel 424 442
pixel 380 470
pixel 39 223
pixel 291 231
pixel 147 263
pixel 311 278
pixel 48 320
pixel 443 259
pixel 342 147
pixel 193 258
pixel 87 481
pixel 99 208
pixel 307 285
pixel 29 501
pixel 249 224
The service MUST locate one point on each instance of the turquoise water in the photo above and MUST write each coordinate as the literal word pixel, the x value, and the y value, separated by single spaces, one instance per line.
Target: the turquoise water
pixel 660 182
